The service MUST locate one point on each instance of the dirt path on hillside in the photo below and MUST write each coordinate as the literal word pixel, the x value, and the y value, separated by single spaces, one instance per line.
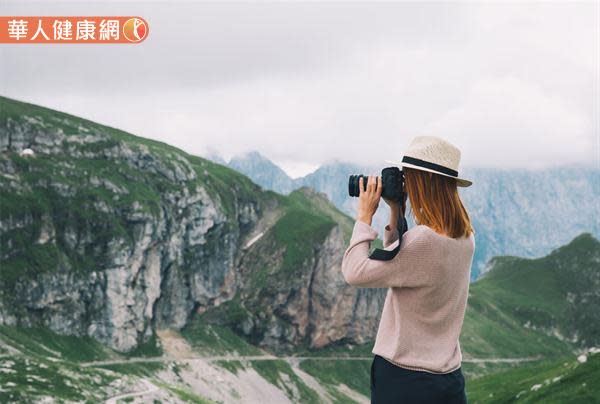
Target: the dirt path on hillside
pixel 291 359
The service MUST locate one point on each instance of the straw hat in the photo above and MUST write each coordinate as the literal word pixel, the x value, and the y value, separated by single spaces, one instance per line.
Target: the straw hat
pixel 435 155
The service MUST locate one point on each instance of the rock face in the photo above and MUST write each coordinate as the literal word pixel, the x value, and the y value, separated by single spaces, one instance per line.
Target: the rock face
pixel 311 305
pixel 109 235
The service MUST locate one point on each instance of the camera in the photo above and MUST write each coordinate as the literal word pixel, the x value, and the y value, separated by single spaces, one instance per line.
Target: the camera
pixel 392 181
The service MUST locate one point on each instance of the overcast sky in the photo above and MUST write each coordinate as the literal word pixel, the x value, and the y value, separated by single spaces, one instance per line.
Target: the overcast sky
pixel 511 84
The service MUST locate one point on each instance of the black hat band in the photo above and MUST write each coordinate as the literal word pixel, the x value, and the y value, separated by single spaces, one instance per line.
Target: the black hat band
pixel 428 164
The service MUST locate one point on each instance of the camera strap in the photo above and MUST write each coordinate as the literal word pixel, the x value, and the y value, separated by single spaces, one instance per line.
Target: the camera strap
pixel 386 255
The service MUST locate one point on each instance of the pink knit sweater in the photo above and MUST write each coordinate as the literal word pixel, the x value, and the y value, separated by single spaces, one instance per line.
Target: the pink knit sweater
pixel 428 286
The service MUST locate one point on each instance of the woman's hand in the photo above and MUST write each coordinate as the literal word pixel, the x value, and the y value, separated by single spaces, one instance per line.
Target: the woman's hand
pixel 368 200
pixel 395 205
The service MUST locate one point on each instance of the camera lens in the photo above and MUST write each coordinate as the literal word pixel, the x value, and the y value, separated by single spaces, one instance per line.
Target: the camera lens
pixel 353 185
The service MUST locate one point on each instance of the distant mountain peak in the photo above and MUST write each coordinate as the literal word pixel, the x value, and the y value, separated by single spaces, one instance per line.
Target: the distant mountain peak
pixel 262 171
pixel 215 157
pixel 252 154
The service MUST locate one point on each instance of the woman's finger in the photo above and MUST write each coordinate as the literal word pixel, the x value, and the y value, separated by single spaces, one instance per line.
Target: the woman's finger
pixel 379 186
pixel 371 184
pixel 360 185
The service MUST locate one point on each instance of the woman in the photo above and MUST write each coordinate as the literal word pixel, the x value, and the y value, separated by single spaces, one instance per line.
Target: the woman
pixel 417 350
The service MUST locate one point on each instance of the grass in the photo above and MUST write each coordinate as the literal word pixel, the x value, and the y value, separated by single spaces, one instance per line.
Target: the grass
pixel 24 378
pixel 280 374
pixel 474 370
pixel 230 365
pixel 521 305
pixel 560 380
pixel 354 374
pixel 216 339
pixel 300 231
pixel 185 395
pixel 35 259
pixel 41 342
pixel 231 312
pixel 49 365
pixel 490 332
pixel 298 234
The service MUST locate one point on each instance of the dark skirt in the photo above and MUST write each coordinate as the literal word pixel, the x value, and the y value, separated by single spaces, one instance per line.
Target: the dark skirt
pixel 391 384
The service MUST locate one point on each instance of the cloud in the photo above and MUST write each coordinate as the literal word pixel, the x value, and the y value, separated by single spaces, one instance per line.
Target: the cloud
pixel 508 122
pixel 304 83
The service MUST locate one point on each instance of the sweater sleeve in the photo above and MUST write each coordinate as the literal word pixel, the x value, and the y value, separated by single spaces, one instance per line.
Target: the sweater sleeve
pixel 402 270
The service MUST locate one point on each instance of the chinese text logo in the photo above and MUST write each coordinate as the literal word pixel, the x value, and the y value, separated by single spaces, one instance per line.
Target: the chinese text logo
pixel 73 29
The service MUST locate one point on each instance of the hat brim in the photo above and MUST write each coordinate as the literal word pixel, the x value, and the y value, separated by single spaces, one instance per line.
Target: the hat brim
pixel 461 182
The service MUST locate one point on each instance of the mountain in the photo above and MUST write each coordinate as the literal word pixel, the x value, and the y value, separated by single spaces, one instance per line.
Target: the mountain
pixel 514 212
pixel 263 172
pixel 540 306
pixel 556 381
pixel 215 157
pixel 113 236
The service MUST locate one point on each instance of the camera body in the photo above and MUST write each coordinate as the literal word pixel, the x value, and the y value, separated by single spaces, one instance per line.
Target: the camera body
pixel 392 181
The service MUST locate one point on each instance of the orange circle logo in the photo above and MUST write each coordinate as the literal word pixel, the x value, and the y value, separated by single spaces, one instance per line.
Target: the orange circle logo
pixel 135 30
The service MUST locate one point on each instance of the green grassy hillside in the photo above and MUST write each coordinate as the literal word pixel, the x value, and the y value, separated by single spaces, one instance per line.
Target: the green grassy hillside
pixel 540 306
pixel 562 380
pixel 37 363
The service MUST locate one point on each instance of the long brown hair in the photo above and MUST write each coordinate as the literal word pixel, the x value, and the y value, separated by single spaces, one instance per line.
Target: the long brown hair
pixel 435 202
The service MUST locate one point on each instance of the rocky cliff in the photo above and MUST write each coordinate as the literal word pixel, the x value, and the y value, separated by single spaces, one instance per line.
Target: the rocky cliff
pixel 110 235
